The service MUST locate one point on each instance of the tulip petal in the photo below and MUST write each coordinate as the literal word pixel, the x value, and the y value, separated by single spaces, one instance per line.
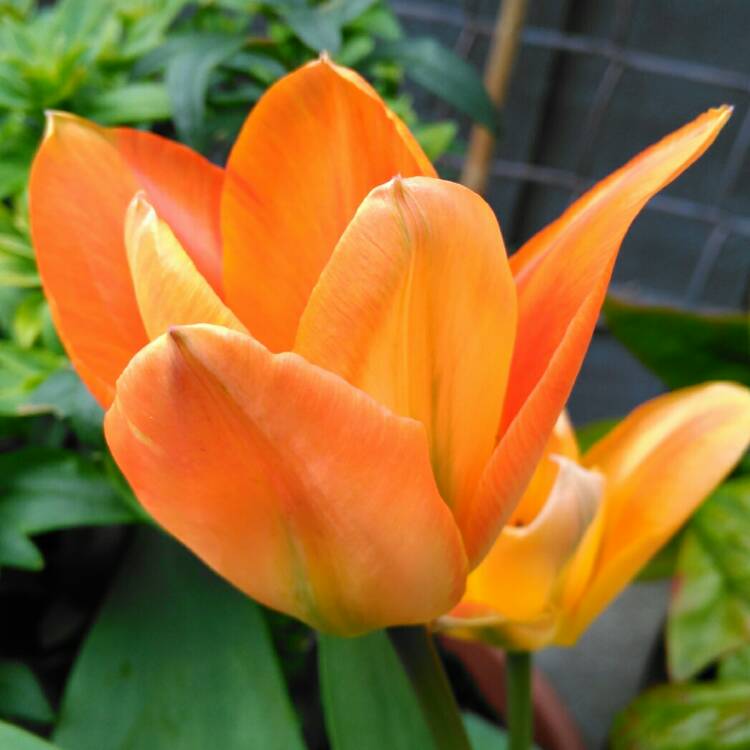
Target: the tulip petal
pixel 82 180
pixel 562 275
pixel 299 489
pixel 660 463
pixel 168 287
pixel 417 308
pixel 525 565
pixel 185 189
pixel 562 442
pixel 310 151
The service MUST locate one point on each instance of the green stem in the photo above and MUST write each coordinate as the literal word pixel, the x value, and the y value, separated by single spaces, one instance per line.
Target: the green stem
pixel 520 712
pixel 422 663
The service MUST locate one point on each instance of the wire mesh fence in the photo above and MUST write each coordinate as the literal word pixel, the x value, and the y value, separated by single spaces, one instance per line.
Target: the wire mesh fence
pixel 585 87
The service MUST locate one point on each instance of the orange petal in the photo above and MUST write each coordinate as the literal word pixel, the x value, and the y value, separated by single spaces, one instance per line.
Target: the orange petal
pixel 168 287
pixel 562 275
pixel 312 148
pixel 562 442
pixel 417 308
pixel 185 190
pixel 524 567
pixel 82 180
pixel 659 463
pixel 299 489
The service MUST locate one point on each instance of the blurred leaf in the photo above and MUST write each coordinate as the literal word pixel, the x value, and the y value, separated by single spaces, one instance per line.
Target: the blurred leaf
pixel 188 75
pixel 21 697
pixel 132 103
pixel 443 73
pixel 368 701
pixel 710 611
pixel 261 67
pixel 682 347
pixel 28 320
pixel 483 735
pixel 14 738
pixel 64 395
pixel 22 370
pixel 354 50
pixel 44 489
pixel 319 26
pixel 696 716
pixel 176 659
pixel 664 563
pixel 380 21
pixel 592 432
pixel 435 137
pixel 736 666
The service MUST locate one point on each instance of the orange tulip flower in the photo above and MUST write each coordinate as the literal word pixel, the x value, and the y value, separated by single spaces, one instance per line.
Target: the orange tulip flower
pixel 347 385
pixel 587 524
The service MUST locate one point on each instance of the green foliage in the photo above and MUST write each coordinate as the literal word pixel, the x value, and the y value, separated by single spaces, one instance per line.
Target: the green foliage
pixel 21 697
pixel 710 612
pixel 683 347
pixel 714 716
pixel 46 489
pixel 176 659
pixel 368 700
pixel 13 738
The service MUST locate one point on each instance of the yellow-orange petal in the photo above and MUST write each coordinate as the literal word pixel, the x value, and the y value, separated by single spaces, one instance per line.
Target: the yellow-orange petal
pixel 417 308
pixel 185 189
pixel 562 442
pixel 524 568
pixel 310 151
pixel 82 180
pixel 561 276
pixel 168 287
pixel 659 464
pixel 299 489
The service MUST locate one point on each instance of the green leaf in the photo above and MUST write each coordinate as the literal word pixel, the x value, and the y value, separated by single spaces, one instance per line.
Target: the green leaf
pixel 14 738
pixel 177 660
pixel 22 370
pixel 44 489
pixel 435 137
pixel 132 103
pixel 695 716
pixel 683 347
pixel 483 735
pixel 442 72
pixel 64 395
pixel 188 74
pixel 368 701
pixel 710 611
pixel 320 26
pixel 28 320
pixel 21 697
pixel 736 666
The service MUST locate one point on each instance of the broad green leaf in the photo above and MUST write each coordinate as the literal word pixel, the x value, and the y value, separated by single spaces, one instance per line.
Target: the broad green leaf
pixel 697 716
pixel 132 103
pixel 483 735
pixel 187 78
pixel 683 347
pixel 379 21
pixel 21 371
pixel 443 73
pixel 368 701
pixel 64 395
pixel 320 26
pixel 262 67
pixel 44 490
pixel 435 137
pixel 21 697
pixel 177 660
pixel 736 666
pixel 15 738
pixel 710 611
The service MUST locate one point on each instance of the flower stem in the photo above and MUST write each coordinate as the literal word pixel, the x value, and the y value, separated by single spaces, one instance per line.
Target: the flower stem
pixel 520 714
pixel 416 649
